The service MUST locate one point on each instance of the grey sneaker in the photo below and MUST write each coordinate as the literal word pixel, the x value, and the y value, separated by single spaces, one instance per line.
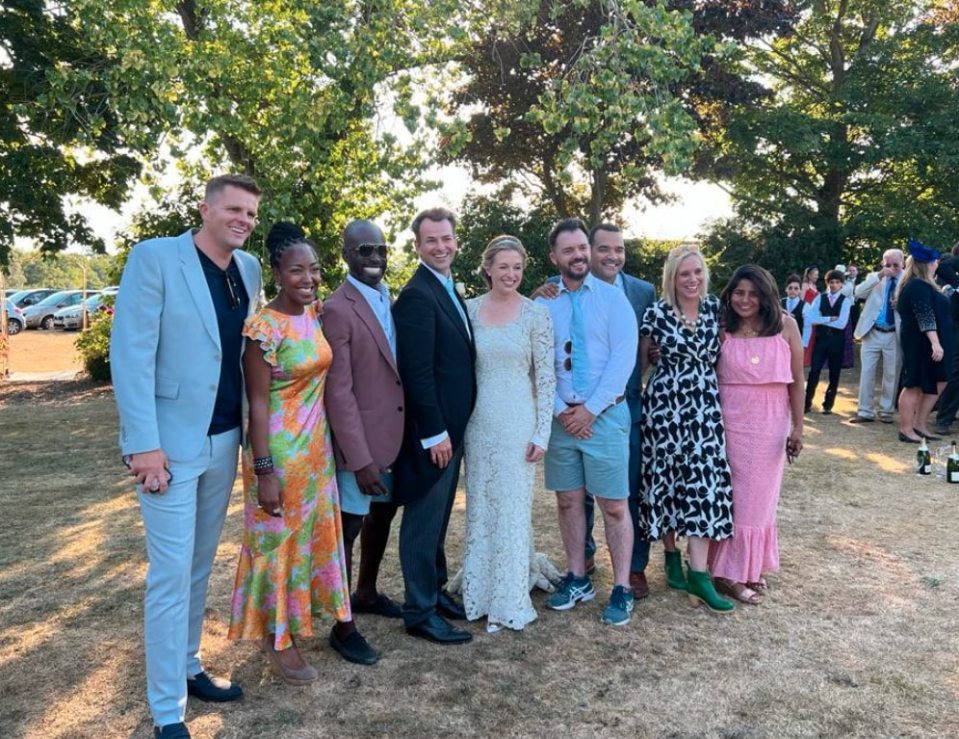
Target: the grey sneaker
pixel 570 592
pixel 619 608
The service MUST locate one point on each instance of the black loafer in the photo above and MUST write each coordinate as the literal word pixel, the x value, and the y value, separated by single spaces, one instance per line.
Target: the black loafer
pixel 171 731
pixel 354 648
pixel 903 437
pixel 383 606
pixel 436 629
pixel 213 689
pixel 449 607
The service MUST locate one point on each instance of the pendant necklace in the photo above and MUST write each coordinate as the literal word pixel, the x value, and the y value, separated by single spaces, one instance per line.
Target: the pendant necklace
pixel 749 333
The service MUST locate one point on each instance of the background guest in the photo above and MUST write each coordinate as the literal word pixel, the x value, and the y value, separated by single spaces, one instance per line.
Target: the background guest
pixel 829 314
pixel 948 274
pixel 926 336
pixel 876 329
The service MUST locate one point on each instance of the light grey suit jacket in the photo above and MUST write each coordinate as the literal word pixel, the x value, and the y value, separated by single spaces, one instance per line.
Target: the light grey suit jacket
pixel 872 290
pixel 165 347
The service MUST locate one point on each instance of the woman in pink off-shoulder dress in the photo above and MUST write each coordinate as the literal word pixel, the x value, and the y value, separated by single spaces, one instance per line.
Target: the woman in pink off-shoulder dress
pixel 760 371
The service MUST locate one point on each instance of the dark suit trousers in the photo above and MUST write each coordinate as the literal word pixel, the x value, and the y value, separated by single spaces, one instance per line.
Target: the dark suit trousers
pixel 829 345
pixel 422 544
pixel 949 399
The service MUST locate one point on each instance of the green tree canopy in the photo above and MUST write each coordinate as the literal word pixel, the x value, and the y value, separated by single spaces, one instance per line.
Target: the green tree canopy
pixel 858 147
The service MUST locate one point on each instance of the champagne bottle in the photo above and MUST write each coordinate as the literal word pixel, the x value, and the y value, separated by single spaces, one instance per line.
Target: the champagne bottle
pixel 952 465
pixel 923 459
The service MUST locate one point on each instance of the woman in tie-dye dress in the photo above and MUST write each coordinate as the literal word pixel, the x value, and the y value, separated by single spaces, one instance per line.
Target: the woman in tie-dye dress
pixel 292 563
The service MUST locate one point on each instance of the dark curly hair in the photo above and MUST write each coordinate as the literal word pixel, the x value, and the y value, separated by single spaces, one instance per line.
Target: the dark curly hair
pixel 770 310
pixel 283 235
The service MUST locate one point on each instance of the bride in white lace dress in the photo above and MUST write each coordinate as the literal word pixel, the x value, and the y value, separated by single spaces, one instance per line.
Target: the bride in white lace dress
pixel 507 435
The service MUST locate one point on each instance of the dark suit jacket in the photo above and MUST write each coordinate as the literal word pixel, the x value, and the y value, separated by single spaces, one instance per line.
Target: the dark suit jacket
pixel 437 360
pixel 641 295
pixel 364 394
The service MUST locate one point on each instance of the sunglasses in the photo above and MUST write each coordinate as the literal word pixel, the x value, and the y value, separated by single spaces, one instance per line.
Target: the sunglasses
pixel 367 250
pixel 233 290
pixel 568 362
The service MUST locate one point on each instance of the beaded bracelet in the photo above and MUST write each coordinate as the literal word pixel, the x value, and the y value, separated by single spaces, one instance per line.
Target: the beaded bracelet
pixel 263 465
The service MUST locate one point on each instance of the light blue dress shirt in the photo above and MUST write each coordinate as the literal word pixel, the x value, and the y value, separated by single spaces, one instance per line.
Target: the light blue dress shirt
pixel 379 300
pixel 612 339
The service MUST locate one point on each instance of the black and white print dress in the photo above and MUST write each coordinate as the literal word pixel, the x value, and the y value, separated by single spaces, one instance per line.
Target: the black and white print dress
pixel 686 486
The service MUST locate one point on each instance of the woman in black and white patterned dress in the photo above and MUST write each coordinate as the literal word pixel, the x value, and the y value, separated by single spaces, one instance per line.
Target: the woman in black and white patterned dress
pixel 686 488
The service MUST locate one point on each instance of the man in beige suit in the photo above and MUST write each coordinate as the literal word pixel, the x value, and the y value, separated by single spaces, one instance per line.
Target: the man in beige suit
pixel 364 402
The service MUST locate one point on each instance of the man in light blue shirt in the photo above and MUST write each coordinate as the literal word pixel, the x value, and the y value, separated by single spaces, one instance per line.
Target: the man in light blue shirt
pixel 596 341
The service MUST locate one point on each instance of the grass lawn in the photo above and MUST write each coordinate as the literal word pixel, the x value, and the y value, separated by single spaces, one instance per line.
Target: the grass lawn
pixel 858 636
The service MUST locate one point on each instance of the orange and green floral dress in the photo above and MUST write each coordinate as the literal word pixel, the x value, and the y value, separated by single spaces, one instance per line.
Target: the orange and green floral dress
pixel 292 568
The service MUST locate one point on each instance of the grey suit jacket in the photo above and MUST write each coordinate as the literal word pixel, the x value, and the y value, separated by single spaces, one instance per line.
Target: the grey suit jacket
pixel 165 347
pixel 872 290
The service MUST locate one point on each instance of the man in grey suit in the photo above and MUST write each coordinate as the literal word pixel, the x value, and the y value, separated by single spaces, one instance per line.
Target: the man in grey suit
pixel 175 359
pixel 876 329
pixel 606 261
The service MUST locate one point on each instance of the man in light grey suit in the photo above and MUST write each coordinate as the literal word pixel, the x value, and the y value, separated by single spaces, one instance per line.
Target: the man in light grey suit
pixel 876 329
pixel 606 261
pixel 175 360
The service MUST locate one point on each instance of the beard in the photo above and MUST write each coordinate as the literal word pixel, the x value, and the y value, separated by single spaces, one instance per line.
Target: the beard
pixel 575 270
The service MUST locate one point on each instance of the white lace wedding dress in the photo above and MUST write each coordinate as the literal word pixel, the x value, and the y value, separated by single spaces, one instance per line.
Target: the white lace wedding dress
pixel 514 405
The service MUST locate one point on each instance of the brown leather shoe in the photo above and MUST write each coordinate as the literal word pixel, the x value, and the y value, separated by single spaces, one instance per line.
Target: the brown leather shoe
pixel 637 581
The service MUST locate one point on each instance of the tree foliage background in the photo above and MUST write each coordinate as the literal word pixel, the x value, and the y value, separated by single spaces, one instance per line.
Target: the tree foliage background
pixel 831 122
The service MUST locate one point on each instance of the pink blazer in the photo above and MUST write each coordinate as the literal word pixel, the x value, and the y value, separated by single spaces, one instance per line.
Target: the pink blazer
pixel 364 393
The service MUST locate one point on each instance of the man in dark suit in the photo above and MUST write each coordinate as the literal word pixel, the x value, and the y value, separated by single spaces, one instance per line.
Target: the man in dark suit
pixel 364 404
pixel 436 358
pixel 606 261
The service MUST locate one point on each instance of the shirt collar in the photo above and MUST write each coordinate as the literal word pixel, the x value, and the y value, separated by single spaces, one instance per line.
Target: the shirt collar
pixel 439 275
pixel 619 281
pixel 589 282
pixel 380 292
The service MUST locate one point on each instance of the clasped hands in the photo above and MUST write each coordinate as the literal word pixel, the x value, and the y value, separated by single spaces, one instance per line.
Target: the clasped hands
pixel 150 469
pixel 577 421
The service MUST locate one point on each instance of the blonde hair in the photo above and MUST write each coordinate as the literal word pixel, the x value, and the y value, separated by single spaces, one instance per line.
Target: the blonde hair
pixel 916 271
pixel 497 245
pixel 671 267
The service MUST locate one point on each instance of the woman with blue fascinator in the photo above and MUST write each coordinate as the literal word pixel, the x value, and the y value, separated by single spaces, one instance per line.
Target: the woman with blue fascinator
pixel 926 338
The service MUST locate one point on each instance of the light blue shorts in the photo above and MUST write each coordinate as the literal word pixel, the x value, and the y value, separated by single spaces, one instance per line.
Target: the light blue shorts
pixel 599 463
pixel 355 501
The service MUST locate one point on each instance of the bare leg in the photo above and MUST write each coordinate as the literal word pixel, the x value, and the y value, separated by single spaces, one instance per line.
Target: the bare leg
pixel 352 524
pixel 669 542
pixel 926 402
pixel 698 553
pixel 908 409
pixel 619 537
pixel 373 540
pixel 572 527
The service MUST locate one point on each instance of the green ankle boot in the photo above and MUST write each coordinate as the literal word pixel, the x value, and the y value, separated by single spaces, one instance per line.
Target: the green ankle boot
pixel 701 590
pixel 674 570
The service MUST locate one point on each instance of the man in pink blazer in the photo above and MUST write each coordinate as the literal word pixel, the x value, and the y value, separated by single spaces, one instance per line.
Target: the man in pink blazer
pixel 364 402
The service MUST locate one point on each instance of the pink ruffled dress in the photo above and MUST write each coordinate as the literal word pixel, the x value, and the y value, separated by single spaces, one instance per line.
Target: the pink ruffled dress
pixel 754 376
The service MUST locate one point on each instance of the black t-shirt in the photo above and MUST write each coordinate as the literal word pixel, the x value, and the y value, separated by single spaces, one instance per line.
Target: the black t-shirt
pixel 231 303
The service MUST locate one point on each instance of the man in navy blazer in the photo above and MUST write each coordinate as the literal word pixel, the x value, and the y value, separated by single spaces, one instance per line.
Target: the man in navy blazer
pixel 175 360
pixel 606 261
pixel 436 358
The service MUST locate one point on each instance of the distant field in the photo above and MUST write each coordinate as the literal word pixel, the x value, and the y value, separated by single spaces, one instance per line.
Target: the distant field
pixel 44 351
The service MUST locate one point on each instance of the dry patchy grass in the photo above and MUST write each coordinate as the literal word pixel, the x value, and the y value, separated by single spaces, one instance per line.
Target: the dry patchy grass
pixel 36 350
pixel 857 637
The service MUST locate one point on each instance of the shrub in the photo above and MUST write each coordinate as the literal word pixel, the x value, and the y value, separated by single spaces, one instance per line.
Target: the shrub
pixel 94 346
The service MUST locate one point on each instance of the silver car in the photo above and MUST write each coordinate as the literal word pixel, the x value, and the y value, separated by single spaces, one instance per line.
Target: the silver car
pixel 72 316
pixel 15 320
pixel 41 314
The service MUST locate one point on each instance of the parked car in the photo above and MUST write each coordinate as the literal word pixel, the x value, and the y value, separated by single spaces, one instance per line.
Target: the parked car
pixel 41 314
pixel 31 296
pixel 71 317
pixel 15 320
